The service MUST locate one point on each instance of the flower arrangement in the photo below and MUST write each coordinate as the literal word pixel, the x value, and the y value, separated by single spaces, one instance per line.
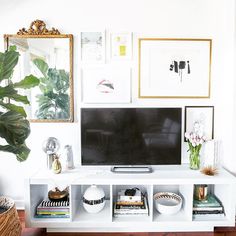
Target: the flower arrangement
pixel 195 140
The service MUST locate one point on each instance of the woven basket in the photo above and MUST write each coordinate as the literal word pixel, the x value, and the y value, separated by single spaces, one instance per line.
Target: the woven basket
pixel 9 221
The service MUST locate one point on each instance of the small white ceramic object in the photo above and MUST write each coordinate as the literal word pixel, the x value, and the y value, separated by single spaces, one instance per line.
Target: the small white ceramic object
pixel 94 199
pixel 167 203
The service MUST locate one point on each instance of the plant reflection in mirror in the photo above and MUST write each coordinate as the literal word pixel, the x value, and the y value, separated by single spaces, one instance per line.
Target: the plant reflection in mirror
pixel 54 100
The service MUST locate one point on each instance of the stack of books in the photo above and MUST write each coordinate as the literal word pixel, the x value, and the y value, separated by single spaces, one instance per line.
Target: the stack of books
pixel 131 206
pixel 53 209
pixel 211 207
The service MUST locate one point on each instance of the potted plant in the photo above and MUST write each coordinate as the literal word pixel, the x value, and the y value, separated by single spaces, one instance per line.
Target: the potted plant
pixel 14 128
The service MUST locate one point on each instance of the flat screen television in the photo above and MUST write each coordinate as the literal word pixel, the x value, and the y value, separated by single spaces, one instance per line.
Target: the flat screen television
pixel 131 136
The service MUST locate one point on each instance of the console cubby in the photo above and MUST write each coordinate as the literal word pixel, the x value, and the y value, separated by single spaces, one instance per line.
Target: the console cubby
pixel 38 193
pixel 145 189
pixel 185 192
pixel 79 214
pixel 224 193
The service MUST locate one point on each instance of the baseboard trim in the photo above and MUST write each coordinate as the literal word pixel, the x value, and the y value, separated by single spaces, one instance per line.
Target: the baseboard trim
pixel 20 204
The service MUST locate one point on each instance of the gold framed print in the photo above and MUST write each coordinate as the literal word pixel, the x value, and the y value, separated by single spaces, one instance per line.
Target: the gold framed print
pixel 174 68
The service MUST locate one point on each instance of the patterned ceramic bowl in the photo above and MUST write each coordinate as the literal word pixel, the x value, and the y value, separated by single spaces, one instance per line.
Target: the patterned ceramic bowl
pixel 167 203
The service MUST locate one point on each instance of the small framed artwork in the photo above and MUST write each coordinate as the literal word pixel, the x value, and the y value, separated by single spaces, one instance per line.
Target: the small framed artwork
pixel 120 45
pixel 200 118
pixel 174 68
pixel 93 46
pixel 108 84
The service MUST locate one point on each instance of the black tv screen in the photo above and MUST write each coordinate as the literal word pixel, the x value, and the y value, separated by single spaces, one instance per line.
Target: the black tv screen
pixel 131 136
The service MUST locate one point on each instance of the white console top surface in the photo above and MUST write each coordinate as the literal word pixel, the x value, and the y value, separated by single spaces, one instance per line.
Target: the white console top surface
pixel 171 174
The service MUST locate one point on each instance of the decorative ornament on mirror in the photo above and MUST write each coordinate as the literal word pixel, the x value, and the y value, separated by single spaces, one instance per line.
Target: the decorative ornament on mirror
pixel 50 147
pixel 38 27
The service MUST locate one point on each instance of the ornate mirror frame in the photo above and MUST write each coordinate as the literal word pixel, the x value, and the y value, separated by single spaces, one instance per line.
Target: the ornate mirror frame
pixel 38 29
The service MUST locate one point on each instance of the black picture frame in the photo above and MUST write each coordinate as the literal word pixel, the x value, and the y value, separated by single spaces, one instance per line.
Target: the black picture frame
pixel 205 114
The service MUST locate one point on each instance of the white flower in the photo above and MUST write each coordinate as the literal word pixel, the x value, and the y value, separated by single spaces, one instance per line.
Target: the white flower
pixel 194 144
pixel 187 135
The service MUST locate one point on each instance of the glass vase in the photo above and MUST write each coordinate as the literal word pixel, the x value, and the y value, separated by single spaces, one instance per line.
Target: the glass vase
pixel 194 160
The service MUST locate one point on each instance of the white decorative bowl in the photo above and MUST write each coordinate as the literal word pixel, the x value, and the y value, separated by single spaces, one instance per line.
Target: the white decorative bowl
pixel 94 199
pixel 167 203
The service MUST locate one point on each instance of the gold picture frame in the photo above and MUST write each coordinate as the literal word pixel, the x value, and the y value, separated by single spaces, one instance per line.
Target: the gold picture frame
pixel 174 68
pixel 38 31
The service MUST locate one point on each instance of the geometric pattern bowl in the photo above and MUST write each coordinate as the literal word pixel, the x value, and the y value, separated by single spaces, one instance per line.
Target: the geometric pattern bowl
pixel 167 203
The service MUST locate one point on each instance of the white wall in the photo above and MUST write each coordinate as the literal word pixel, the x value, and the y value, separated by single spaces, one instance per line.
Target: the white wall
pixel 159 18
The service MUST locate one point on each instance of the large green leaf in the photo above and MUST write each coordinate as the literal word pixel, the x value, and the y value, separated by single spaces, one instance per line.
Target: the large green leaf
pixel 27 83
pixel 11 93
pixel 8 61
pixel 13 107
pixel 41 65
pixel 62 101
pixel 21 151
pixel 54 99
pixel 7 91
pixel 14 128
pixel 19 98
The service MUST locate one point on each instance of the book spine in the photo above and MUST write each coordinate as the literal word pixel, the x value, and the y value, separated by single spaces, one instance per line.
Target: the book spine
pixel 54 208
pixel 133 214
pixel 129 207
pixel 208 212
pixel 46 203
pixel 52 216
pixel 206 205
pixel 130 198
pixel 130 203
pixel 207 208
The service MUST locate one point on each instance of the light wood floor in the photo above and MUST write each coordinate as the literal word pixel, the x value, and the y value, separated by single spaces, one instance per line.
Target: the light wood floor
pixel 228 231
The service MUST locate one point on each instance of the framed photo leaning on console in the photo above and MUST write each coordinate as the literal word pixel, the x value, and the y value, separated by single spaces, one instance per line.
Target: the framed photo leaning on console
pixel 201 118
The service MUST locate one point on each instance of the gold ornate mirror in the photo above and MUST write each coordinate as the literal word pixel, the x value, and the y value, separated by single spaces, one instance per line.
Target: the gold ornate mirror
pixel 46 54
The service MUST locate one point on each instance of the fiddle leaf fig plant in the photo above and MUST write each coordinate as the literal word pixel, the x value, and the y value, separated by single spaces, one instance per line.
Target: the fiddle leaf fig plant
pixel 54 99
pixel 14 127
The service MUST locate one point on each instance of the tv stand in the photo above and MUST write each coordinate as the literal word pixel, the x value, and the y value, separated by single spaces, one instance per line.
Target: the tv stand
pixel 131 169
pixel 178 179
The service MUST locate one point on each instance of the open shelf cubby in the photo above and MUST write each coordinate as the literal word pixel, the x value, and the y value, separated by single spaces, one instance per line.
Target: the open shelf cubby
pixel 185 214
pixel 176 179
pixel 79 214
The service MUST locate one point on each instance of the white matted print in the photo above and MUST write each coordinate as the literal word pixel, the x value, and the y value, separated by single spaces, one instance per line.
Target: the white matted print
pixel 120 45
pixel 108 84
pixel 174 68
pixel 200 118
pixel 92 46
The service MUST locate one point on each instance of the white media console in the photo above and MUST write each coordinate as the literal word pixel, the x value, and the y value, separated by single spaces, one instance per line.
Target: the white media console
pixel 178 179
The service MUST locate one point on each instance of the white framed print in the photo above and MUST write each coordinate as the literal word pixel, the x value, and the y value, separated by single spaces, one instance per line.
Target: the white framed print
pixel 120 45
pixel 174 68
pixel 93 46
pixel 200 118
pixel 107 84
